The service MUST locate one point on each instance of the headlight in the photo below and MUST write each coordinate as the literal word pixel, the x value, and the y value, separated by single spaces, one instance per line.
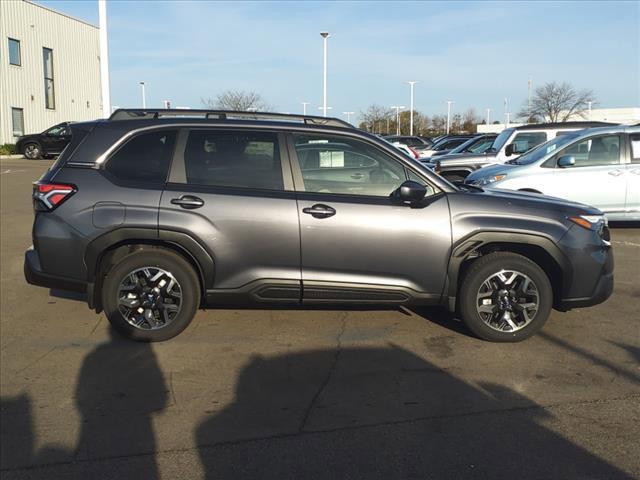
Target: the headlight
pixel 488 180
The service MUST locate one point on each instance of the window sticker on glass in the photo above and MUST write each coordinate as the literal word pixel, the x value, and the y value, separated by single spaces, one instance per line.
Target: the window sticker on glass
pixel 331 159
pixel 551 148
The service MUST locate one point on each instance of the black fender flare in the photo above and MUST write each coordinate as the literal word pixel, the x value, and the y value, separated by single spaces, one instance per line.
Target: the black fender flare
pixel 461 250
pixel 186 244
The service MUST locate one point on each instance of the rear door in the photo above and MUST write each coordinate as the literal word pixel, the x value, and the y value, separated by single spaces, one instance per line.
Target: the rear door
pixel 358 245
pixel 632 203
pixel 232 190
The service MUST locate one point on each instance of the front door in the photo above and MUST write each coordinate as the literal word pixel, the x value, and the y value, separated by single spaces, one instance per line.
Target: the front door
pixel 597 178
pixel 632 206
pixel 227 189
pixel 357 244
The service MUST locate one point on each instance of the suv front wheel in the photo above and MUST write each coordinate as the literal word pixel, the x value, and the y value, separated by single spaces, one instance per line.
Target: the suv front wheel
pixel 151 295
pixel 505 297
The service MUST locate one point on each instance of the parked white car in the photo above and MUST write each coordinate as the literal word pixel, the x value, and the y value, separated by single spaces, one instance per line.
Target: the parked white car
pixel 596 166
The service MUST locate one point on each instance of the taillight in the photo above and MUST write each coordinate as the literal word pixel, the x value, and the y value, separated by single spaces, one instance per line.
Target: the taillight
pixel 48 196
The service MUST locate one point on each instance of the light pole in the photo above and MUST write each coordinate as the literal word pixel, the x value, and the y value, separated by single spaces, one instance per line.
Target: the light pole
pixel 348 114
pixel 530 84
pixel 324 36
pixel 304 107
pixel 397 109
pixel 488 112
pixel 411 83
pixel 325 109
pixel 104 59
pixel 506 109
pixel 144 96
pixel 449 102
pixel 589 104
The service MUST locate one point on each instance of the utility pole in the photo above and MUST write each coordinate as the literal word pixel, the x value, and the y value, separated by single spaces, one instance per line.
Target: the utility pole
pixel 411 83
pixel 144 96
pixel 324 36
pixel 304 107
pixel 104 59
pixel 348 114
pixel 397 109
pixel 449 102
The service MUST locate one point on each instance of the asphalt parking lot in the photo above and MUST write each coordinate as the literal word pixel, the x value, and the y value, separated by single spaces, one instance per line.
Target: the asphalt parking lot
pixel 311 393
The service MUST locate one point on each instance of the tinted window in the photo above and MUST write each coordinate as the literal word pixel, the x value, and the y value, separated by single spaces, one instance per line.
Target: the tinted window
pixel 233 159
pixel 58 131
pixel 343 165
pixel 525 141
pixel 635 148
pixel 595 151
pixel 144 158
pixel 450 144
pixel 14 52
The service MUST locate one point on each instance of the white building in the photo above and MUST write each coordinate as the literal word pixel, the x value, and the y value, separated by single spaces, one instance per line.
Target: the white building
pixel 627 116
pixel 49 69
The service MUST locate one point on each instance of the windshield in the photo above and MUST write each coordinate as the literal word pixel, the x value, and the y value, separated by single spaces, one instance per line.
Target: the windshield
pixel 543 150
pixel 461 148
pixel 500 140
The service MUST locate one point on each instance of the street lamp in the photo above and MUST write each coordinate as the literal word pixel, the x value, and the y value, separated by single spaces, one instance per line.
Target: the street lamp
pixel 411 83
pixel 304 107
pixel 348 114
pixel 488 112
pixel 397 109
pixel 449 102
pixel 324 36
pixel 144 96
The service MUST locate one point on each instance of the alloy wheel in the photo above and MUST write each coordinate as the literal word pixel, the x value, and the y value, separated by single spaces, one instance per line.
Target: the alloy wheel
pixel 32 151
pixel 507 301
pixel 149 298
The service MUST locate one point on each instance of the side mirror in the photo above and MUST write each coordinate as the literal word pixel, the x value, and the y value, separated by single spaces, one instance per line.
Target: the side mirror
pixel 509 149
pixel 410 192
pixel 566 161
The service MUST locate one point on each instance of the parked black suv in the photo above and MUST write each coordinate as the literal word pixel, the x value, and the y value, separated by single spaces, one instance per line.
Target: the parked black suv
pixel 50 142
pixel 156 213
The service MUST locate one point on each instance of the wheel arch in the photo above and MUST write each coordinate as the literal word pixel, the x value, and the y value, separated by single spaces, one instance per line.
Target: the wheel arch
pixel 103 251
pixel 539 249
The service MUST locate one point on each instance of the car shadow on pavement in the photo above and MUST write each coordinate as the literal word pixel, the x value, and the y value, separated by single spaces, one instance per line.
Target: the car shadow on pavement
pixel 381 413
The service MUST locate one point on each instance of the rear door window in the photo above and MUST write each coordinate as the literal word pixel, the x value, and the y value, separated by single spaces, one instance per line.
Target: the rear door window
pixel 227 158
pixel 144 159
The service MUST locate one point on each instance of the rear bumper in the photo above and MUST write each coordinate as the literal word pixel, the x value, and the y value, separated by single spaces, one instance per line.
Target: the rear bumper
pixel 34 275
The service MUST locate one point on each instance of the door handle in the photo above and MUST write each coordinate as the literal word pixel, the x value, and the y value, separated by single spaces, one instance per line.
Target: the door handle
pixel 188 201
pixel 357 176
pixel 616 172
pixel 319 211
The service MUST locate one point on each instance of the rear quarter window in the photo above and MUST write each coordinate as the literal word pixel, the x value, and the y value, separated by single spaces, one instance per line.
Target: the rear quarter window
pixel 143 159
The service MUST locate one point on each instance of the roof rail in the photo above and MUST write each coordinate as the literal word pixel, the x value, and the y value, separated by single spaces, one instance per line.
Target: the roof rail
pixel 146 113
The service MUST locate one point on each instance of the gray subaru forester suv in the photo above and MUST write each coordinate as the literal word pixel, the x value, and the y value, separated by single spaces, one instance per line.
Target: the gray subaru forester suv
pixel 155 213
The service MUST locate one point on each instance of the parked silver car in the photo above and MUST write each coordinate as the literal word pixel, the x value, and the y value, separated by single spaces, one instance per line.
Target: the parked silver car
pixel 596 166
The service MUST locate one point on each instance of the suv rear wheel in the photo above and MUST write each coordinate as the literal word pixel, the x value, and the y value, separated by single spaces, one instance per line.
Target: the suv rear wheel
pixel 151 295
pixel 32 151
pixel 505 297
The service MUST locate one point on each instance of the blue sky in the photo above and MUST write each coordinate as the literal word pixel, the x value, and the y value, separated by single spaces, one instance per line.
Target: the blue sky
pixel 474 53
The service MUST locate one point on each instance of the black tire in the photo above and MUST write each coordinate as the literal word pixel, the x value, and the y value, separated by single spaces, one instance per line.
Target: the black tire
pixel 32 151
pixel 152 257
pixel 480 271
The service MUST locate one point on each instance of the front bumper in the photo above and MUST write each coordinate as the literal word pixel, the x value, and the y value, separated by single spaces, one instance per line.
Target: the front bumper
pixel 34 275
pixel 603 290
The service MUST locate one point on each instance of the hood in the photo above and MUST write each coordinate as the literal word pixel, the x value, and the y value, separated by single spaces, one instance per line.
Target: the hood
pixel 511 199
pixel 31 136
pixel 489 171
pixel 467 157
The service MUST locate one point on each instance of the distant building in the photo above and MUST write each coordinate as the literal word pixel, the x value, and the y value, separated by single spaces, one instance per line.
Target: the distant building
pixel 49 69
pixel 628 116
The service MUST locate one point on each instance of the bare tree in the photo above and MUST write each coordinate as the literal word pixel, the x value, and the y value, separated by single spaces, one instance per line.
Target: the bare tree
pixel 237 100
pixel 438 124
pixel 376 117
pixel 557 102
pixel 470 120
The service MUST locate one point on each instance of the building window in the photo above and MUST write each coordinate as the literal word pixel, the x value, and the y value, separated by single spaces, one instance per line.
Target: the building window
pixel 17 120
pixel 49 91
pixel 14 52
